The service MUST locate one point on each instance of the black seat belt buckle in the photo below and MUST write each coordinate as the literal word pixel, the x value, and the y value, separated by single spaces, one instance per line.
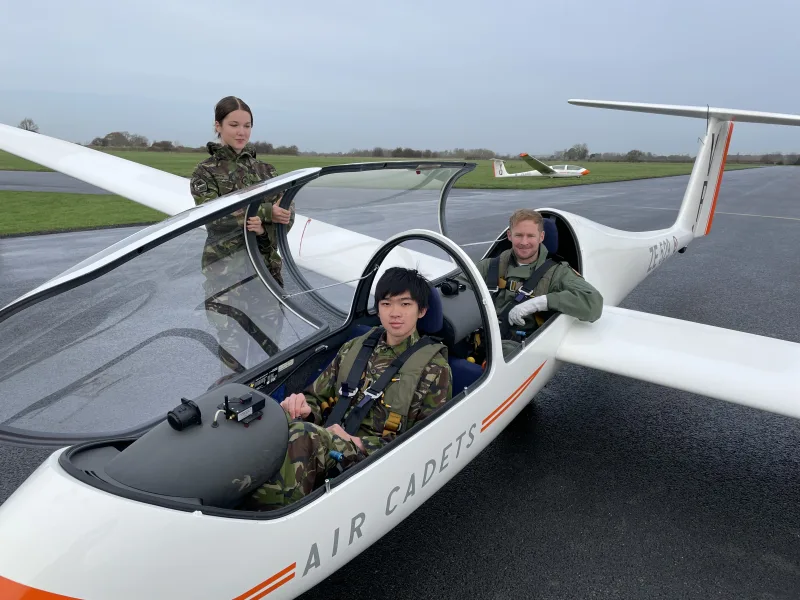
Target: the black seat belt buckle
pixel 369 394
pixel 523 294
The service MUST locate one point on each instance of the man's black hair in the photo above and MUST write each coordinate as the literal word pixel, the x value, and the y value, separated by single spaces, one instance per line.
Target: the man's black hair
pixel 397 280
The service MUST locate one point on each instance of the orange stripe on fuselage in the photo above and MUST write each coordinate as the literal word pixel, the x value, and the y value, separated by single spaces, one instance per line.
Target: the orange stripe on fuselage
pixel 719 178
pixel 11 590
pixel 497 412
pixel 260 587
pixel 273 587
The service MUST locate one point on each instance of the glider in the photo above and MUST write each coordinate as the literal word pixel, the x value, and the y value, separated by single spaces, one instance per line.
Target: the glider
pixel 539 169
pixel 102 361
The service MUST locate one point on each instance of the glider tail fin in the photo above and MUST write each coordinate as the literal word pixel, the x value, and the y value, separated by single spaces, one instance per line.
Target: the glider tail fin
pixel 499 168
pixel 700 199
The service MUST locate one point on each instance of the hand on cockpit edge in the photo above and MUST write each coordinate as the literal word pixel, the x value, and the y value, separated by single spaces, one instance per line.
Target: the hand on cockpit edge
pixel 280 215
pixel 254 224
pixel 516 316
pixel 337 430
pixel 296 406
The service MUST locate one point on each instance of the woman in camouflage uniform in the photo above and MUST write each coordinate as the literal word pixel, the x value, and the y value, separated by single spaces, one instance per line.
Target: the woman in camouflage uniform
pixel 232 166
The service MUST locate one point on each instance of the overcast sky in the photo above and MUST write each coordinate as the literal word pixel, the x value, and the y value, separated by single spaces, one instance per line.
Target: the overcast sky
pixel 330 76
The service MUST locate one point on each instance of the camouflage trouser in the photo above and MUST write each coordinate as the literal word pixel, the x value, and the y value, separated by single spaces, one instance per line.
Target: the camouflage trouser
pixel 247 319
pixel 274 264
pixel 305 467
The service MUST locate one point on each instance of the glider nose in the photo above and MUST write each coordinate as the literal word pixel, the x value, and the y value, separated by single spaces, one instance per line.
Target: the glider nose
pixel 586 171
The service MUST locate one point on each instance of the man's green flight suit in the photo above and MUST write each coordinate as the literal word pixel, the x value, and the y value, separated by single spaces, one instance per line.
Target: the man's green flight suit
pixel 567 292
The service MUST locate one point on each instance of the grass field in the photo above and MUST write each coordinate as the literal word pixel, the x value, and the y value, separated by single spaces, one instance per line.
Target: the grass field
pixel 39 212
pixel 44 212
pixel 183 163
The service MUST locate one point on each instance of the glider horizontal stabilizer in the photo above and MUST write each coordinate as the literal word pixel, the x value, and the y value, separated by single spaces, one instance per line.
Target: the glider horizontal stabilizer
pixel 698 112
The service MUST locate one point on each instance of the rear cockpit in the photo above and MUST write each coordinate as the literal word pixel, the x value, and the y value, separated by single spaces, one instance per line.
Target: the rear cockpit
pixel 559 239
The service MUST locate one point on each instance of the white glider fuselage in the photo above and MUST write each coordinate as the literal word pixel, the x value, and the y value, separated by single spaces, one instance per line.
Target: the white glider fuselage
pixel 90 543
pixel 127 541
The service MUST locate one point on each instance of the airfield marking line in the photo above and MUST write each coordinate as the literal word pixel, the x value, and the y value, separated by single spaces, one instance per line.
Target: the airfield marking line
pixel 260 587
pixel 477 243
pixel 718 212
pixel 12 589
pixel 504 406
pixel 762 216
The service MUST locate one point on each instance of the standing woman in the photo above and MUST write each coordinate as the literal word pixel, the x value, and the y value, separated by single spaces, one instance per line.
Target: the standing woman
pixel 247 323
pixel 233 166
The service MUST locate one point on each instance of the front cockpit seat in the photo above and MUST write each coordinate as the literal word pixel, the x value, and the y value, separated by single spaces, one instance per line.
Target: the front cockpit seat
pixel 464 372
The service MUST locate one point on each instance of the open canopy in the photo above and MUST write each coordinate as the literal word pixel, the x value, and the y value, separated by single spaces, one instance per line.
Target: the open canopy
pixel 109 346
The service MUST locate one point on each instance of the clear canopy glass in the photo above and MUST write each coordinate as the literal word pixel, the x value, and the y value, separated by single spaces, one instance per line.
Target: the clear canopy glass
pixel 112 344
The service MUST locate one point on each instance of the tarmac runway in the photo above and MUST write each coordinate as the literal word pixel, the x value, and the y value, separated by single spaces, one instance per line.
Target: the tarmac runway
pixel 45 181
pixel 605 487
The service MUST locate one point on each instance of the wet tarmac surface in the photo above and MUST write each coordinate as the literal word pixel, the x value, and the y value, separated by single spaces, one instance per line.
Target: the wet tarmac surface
pixel 605 487
pixel 45 181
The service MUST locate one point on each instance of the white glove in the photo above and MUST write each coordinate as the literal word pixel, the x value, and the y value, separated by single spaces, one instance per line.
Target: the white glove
pixel 516 315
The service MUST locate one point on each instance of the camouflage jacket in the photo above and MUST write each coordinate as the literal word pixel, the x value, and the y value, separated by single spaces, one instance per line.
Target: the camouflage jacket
pixel 434 390
pixel 222 173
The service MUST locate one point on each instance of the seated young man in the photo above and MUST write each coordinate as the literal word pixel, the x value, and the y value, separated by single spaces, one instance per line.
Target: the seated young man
pixel 556 287
pixel 317 432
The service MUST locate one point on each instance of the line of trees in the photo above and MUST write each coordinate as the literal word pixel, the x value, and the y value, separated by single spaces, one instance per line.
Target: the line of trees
pixel 122 140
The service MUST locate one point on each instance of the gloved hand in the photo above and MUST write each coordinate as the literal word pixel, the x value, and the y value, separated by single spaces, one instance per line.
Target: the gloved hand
pixel 516 316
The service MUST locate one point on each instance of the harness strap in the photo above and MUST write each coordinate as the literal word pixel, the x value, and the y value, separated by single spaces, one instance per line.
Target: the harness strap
pixel 392 424
pixel 350 387
pixel 524 292
pixel 493 275
pixel 375 391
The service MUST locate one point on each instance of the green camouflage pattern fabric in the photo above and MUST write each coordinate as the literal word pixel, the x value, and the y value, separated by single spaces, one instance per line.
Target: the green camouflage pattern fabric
pixel 222 173
pixel 308 463
pixel 241 319
pixel 246 317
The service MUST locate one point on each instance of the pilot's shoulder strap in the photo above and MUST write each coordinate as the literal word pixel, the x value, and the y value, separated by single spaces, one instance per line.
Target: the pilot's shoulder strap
pixel 353 364
pixel 498 266
pixel 537 274
pixel 351 368
pixel 399 397
pixel 410 364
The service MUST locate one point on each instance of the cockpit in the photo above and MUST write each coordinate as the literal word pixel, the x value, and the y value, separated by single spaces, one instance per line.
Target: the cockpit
pixel 186 312
pixel 567 168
